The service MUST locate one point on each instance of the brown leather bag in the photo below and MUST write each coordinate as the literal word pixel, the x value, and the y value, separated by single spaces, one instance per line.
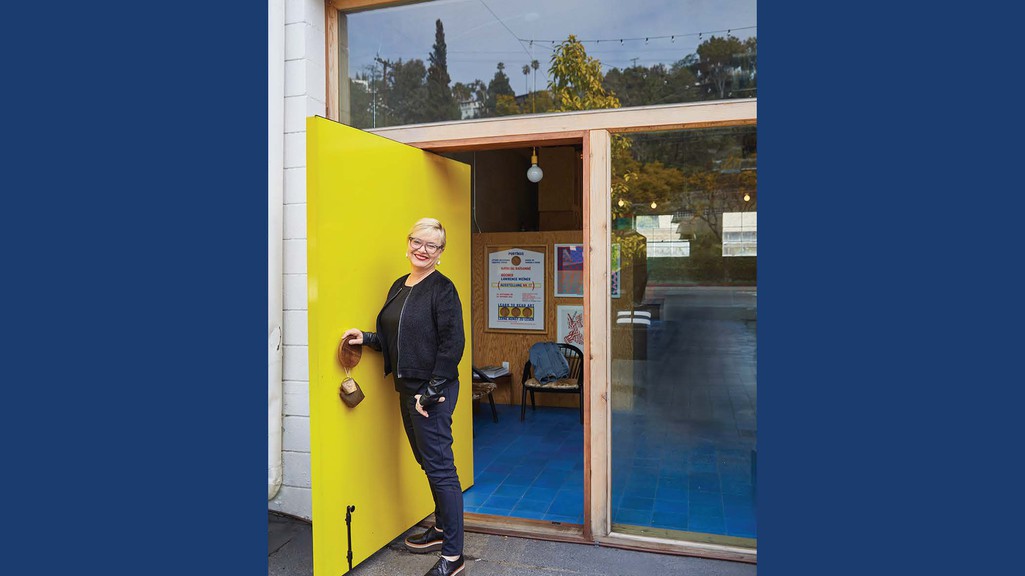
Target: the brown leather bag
pixel 348 356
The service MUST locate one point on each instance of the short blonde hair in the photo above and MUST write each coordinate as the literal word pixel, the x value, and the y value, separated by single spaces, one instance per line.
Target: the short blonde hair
pixel 429 225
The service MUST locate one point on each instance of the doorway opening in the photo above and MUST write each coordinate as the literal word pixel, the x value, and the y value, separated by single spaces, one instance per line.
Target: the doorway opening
pixel 528 452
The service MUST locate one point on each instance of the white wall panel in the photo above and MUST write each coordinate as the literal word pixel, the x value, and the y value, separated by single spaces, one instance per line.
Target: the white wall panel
pixel 295 292
pixel 295 149
pixel 297 434
pixel 296 469
pixel 295 328
pixel 296 363
pixel 293 500
pixel 295 41
pixel 296 398
pixel 295 183
pixel 295 257
pixel 295 221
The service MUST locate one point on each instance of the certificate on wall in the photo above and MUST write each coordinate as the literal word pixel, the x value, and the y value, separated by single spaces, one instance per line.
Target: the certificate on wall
pixel 570 320
pixel 516 289
pixel 569 270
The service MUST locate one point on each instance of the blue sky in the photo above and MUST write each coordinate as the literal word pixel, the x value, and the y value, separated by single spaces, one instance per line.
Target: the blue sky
pixel 481 33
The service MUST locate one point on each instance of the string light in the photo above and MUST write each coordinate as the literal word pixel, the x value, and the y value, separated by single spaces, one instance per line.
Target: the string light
pixel 672 37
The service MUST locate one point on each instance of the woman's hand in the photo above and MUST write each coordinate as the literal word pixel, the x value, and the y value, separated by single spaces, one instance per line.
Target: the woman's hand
pixel 357 336
pixel 421 409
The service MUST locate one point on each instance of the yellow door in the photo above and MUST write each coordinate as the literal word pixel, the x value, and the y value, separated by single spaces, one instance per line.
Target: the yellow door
pixel 364 192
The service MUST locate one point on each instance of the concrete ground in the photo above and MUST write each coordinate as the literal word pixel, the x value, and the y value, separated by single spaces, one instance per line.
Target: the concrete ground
pixel 290 553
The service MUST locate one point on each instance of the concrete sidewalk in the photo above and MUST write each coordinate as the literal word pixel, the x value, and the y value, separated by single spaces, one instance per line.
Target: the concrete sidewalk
pixel 290 553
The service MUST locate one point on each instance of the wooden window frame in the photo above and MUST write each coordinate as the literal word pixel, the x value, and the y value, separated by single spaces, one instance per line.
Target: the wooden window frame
pixel 592 130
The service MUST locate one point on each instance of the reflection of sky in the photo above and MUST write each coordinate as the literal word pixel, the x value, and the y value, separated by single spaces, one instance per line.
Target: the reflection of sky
pixel 477 40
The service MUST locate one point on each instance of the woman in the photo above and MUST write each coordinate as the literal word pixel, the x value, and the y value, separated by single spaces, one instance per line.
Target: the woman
pixel 420 334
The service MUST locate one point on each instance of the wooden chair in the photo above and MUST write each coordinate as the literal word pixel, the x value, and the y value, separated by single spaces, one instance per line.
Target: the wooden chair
pixel 572 384
pixel 482 385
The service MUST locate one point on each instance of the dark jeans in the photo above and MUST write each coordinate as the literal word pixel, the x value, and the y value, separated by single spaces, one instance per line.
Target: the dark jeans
pixel 431 441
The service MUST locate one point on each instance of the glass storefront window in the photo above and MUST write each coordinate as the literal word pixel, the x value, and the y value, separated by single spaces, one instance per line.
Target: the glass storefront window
pixel 451 60
pixel 684 334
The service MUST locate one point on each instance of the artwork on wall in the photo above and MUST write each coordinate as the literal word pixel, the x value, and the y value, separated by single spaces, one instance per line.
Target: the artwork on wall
pixel 516 289
pixel 614 271
pixel 569 270
pixel 570 320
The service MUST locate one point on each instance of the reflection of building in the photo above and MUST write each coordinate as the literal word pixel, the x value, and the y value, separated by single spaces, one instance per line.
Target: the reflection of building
pixel 740 234
pixel 470 109
pixel 663 236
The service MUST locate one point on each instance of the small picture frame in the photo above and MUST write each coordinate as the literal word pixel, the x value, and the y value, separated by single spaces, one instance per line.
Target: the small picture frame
pixel 570 321
pixel 569 270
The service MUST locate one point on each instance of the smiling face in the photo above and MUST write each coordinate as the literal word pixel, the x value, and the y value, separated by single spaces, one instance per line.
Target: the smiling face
pixel 424 249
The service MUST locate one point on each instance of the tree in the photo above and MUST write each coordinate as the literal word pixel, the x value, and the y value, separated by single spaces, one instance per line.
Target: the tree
pixel 526 79
pixel 718 63
pixel 499 85
pixel 576 82
pixel 505 105
pixel 440 105
pixel 640 86
pixel 462 92
pixel 407 94
pixel 360 102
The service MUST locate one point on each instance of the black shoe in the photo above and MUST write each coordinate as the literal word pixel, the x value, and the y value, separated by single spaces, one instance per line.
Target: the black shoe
pixel 446 567
pixel 429 541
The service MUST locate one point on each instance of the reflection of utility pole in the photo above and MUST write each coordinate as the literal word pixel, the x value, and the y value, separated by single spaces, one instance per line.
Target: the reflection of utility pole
pixel 384 81
pixel 634 61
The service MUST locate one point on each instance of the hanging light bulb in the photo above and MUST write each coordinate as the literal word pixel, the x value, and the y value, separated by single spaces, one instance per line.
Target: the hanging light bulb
pixel 622 203
pixel 534 173
pixel 653 205
pixel 747 197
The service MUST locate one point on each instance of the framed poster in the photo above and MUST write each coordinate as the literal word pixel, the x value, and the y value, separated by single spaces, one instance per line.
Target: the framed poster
pixel 615 270
pixel 570 320
pixel 569 270
pixel 516 288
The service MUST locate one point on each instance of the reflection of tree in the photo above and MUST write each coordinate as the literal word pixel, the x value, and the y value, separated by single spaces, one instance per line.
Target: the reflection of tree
pixel 408 92
pixel 498 86
pixel 576 82
pixel 440 103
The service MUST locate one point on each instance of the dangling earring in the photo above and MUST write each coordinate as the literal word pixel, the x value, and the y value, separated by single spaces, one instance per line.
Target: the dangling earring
pixel 438 263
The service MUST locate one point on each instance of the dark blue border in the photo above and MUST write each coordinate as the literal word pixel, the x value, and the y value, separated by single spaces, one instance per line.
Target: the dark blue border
pixel 888 313
pixel 135 224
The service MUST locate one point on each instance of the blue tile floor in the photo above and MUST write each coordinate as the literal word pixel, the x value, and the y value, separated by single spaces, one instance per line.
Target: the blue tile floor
pixel 679 477
pixel 684 427
pixel 532 469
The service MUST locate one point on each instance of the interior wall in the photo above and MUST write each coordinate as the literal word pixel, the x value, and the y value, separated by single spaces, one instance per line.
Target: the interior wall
pixel 492 348
pixel 559 194
pixel 503 199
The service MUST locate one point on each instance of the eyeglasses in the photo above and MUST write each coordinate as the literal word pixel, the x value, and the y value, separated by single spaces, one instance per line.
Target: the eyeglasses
pixel 416 244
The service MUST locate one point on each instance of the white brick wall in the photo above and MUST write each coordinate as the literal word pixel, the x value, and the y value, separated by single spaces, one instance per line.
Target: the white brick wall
pixel 295 328
pixel 305 87
pixel 295 292
pixel 295 222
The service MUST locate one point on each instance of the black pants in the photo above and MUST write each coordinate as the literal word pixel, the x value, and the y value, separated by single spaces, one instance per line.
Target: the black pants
pixel 431 441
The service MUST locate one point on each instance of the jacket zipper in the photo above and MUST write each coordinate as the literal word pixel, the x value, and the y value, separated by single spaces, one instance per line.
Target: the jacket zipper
pixel 398 336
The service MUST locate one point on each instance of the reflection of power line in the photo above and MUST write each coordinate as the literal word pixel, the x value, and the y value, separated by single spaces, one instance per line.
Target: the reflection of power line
pixel 507 28
pixel 672 37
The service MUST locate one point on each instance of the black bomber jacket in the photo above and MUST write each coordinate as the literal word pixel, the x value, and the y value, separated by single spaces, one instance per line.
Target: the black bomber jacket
pixel 430 334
